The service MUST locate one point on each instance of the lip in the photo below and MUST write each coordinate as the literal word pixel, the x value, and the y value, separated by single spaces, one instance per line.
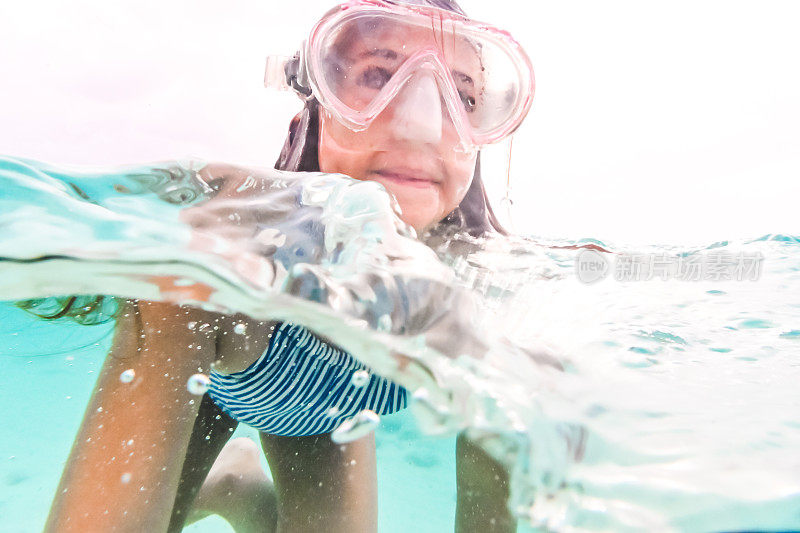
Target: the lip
pixel 407 176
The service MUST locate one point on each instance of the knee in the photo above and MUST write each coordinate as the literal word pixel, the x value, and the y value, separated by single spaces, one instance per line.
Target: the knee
pixel 235 484
pixel 237 471
pixel 243 445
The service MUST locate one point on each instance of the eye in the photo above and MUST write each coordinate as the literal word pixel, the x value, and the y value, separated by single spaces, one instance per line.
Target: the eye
pixel 374 78
pixel 469 101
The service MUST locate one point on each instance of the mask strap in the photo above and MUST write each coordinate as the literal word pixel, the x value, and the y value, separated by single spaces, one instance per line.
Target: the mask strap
pixel 496 175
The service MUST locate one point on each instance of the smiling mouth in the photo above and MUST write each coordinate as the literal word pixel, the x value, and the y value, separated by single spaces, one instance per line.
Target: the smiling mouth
pixel 408 178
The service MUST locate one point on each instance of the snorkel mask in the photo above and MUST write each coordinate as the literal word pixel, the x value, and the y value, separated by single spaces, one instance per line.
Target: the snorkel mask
pixel 439 65
pixel 438 77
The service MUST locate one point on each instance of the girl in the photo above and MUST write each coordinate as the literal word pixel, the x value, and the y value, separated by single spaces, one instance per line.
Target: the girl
pixel 401 93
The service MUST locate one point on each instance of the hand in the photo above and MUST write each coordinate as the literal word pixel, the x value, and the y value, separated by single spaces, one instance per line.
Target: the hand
pixel 231 222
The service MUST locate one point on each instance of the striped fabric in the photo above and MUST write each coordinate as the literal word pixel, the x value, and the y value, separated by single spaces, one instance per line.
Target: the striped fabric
pixel 302 386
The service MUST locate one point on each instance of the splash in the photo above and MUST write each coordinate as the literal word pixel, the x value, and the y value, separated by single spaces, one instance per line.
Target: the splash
pixel 610 404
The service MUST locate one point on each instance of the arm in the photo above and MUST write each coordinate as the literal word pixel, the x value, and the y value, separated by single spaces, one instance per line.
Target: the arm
pixel 123 470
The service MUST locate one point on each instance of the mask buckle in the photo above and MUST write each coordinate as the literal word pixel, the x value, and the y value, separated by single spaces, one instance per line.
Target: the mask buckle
pixel 275 73
pixel 283 73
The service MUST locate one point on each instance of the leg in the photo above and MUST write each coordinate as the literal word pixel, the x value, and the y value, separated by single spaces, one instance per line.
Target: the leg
pixel 200 455
pixel 124 468
pixel 238 490
pixel 483 490
pixel 324 486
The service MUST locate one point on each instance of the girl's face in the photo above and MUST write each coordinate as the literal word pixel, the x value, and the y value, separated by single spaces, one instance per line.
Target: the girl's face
pixel 411 148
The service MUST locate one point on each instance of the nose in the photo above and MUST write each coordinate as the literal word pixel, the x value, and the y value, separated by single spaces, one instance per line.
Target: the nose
pixel 417 112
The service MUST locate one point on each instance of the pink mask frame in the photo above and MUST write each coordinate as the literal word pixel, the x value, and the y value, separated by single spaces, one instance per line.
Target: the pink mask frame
pixel 305 72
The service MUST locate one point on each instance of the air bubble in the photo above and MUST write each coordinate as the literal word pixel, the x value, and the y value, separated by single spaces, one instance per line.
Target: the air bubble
pixel 191 325
pixel 126 477
pixel 127 376
pixel 240 328
pixel 198 384
pixel 360 378
pixel 433 418
pixel 357 427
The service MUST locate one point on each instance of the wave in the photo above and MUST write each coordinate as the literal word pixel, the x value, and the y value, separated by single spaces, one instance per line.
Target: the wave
pixel 588 392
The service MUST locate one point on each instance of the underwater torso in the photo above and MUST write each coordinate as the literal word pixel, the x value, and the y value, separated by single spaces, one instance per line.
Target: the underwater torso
pixel 302 386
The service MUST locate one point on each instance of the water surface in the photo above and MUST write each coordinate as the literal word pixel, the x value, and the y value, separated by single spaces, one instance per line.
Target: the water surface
pixel 658 404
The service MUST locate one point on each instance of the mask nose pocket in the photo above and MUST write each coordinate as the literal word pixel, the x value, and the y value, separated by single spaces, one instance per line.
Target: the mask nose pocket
pixel 417 111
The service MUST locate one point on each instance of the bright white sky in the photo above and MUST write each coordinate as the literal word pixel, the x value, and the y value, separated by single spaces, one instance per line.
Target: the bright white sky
pixel 654 122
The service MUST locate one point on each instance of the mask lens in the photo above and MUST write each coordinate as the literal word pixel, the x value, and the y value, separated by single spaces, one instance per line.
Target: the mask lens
pixel 365 57
pixel 499 92
pixel 360 58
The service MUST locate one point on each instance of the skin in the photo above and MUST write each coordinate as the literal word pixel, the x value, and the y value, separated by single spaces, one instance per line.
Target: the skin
pixel 428 178
pixel 318 485
pixel 428 185
pixel 427 190
pixel 122 434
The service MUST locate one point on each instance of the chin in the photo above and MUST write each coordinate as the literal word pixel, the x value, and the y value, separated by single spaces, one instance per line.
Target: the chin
pixel 419 223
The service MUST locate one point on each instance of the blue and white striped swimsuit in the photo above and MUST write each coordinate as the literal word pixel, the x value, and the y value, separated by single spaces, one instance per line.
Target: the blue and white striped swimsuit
pixel 302 386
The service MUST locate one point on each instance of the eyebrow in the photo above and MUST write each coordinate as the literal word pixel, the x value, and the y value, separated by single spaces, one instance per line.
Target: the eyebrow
pixel 382 52
pixel 388 53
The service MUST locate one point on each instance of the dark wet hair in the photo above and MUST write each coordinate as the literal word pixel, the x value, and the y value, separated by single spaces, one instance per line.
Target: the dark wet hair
pixel 87 310
pixel 300 153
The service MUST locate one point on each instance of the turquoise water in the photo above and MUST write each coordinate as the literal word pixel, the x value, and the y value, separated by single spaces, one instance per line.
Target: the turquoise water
pixel 45 397
pixel 672 403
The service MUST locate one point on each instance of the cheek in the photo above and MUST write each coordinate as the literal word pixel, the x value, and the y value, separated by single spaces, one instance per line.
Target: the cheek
pixel 335 158
pixel 460 174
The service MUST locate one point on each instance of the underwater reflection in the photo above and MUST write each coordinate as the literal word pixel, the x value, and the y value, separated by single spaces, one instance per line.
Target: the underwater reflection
pixel 617 405
pixel 286 242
